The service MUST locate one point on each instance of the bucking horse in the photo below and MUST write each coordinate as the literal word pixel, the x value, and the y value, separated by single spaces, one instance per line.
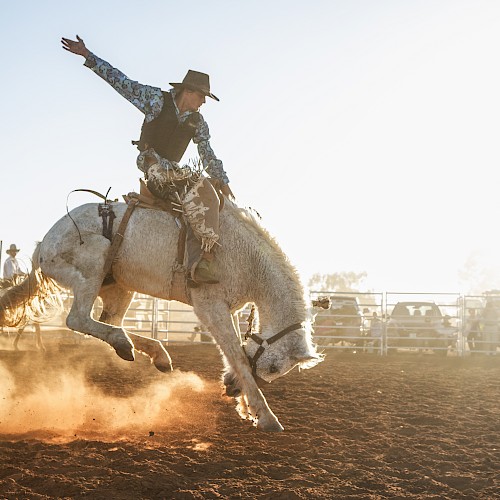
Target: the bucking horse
pixel 251 268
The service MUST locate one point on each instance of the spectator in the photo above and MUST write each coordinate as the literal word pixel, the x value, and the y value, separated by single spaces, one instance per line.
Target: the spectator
pixel 11 272
pixel 376 328
pixel 204 337
pixel 489 322
pixel 472 330
pixel 11 267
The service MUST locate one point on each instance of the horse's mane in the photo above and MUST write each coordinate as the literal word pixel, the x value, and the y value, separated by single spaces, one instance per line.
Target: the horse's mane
pixel 251 220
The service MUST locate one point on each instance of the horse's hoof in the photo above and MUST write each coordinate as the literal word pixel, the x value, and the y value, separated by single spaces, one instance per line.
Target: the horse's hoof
pixel 125 349
pixel 273 426
pixel 232 391
pixel 162 360
pixel 231 385
pixel 126 354
pixel 163 366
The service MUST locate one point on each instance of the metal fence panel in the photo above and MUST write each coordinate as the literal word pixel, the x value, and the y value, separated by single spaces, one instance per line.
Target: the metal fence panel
pixel 375 322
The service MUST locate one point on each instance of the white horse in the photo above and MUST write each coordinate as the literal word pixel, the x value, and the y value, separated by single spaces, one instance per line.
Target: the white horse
pixel 251 268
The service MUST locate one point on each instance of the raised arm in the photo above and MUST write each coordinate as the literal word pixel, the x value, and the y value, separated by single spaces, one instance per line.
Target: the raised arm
pixel 149 100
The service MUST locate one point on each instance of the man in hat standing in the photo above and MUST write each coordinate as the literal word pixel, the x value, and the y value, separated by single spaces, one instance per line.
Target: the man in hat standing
pixel 171 122
pixel 12 271
pixel 11 267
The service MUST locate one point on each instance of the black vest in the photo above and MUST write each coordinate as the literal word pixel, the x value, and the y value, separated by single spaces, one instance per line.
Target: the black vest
pixel 165 134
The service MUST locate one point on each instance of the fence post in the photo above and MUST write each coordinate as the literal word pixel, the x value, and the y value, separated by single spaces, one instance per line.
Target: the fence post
pixel 154 319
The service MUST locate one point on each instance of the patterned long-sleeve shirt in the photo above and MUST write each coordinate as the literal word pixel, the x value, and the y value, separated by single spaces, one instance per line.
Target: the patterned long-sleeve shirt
pixel 149 100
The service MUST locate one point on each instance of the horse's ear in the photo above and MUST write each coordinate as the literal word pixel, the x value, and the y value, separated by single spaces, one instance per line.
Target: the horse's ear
pixel 310 361
pixel 302 358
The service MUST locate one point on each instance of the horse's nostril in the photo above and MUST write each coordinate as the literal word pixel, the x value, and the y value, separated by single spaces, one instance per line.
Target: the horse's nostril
pixel 273 369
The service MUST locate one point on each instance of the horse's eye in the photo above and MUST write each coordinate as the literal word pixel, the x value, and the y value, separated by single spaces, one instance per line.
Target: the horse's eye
pixel 273 369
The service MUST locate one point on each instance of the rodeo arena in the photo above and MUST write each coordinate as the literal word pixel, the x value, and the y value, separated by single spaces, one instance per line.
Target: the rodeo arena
pixel 404 404
pixel 164 346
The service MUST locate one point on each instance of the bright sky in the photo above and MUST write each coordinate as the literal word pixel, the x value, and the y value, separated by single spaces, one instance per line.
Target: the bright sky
pixel 365 132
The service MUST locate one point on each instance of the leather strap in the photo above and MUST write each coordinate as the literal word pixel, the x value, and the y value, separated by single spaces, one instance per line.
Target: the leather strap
pixel 118 238
pixel 263 343
pixel 108 216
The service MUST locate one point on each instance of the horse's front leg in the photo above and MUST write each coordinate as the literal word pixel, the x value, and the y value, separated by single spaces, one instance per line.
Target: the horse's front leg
pixel 217 317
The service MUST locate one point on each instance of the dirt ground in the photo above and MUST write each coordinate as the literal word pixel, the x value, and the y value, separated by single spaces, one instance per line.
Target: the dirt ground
pixel 79 422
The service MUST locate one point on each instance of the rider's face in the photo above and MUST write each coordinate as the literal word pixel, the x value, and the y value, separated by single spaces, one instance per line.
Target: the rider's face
pixel 193 100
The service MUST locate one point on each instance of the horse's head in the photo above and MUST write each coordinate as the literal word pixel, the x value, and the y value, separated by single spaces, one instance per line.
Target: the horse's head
pixel 272 356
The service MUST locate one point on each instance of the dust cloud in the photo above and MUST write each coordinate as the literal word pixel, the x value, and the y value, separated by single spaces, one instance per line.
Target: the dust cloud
pixel 63 401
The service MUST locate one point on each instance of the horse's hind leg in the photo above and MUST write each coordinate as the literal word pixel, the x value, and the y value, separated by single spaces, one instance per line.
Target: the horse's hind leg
pixel 154 349
pixel 38 337
pixel 18 337
pixel 115 302
pixel 80 320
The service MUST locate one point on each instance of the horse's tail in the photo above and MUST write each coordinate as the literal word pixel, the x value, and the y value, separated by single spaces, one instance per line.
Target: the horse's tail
pixel 36 298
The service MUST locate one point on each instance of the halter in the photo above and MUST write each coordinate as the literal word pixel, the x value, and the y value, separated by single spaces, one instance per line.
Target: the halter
pixel 263 343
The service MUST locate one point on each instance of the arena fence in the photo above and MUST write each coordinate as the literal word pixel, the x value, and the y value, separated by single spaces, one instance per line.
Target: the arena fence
pixel 448 324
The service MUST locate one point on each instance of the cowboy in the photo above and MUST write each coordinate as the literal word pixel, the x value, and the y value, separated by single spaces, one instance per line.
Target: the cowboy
pixel 11 267
pixel 171 122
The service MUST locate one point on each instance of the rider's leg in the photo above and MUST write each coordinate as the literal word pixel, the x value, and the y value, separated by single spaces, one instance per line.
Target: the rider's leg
pixel 201 208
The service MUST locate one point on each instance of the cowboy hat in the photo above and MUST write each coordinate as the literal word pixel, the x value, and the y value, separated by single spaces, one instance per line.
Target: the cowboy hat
pixel 194 80
pixel 12 248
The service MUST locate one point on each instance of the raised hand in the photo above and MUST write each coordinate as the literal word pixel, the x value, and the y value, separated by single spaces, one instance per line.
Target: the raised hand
pixel 226 190
pixel 76 47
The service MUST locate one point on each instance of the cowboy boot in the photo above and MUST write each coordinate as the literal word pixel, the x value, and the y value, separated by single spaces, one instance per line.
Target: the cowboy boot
pixel 205 272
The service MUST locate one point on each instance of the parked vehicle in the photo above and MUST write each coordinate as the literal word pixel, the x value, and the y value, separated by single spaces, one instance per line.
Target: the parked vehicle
pixel 420 325
pixel 343 322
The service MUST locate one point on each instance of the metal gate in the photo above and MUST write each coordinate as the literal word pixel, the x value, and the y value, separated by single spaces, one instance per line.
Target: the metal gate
pixel 446 324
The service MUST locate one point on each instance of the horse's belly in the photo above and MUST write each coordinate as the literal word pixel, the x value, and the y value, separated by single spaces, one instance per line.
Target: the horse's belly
pixel 147 255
